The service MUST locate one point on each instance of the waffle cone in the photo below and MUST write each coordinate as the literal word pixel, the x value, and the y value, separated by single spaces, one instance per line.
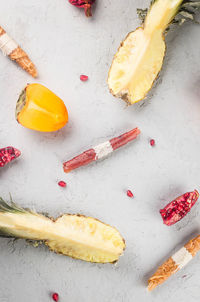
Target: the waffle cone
pixel 193 246
pixel 170 267
pixel 22 59
pixel 2 31
pixel 162 274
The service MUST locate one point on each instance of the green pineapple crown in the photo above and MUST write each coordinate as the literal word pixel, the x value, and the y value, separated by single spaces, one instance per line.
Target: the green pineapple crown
pixel 11 207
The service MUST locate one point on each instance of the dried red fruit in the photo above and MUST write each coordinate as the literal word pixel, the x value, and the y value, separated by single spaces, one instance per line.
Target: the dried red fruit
pixel 7 155
pixel 55 297
pixel 62 184
pixel 178 208
pixel 86 4
pixel 129 194
pixel 83 78
pixel 152 142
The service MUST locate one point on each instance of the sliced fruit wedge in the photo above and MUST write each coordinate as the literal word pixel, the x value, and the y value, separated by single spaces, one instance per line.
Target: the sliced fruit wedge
pixel 179 207
pixel 140 56
pixel 76 236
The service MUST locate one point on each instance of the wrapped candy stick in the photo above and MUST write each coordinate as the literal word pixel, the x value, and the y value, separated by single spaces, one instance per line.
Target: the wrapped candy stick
pixel 100 151
pixel 11 49
pixel 175 263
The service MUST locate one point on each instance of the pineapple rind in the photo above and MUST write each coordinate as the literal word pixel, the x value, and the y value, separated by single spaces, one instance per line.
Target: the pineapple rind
pixel 76 236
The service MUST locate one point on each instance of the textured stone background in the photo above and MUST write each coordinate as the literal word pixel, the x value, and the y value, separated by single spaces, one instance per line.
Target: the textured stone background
pixel 63 44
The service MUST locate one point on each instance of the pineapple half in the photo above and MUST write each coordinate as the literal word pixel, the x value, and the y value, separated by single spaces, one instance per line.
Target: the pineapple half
pixel 76 236
pixel 140 56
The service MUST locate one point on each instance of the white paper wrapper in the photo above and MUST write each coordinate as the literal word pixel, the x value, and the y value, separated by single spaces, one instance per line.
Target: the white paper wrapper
pixel 7 44
pixel 182 257
pixel 103 150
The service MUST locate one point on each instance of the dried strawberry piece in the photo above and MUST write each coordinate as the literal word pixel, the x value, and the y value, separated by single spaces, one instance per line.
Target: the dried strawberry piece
pixel 7 155
pixel 86 4
pixel 178 208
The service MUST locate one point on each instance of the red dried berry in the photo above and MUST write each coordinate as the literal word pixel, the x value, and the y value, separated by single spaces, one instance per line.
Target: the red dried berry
pixel 55 297
pixel 86 4
pixel 83 78
pixel 7 155
pixel 152 142
pixel 178 208
pixel 129 194
pixel 62 184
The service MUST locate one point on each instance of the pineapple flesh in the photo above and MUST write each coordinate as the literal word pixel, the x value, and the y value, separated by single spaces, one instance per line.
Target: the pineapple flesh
pixel 140 57
pixel 76 236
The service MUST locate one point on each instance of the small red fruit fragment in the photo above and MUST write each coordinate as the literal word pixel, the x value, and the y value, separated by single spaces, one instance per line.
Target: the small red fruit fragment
pixel 86 4
pixel 62 184
pixel 83 78
pixel 55 297
pixel 152 142
pixel 178 208
pixel 129 194
pixel 7 155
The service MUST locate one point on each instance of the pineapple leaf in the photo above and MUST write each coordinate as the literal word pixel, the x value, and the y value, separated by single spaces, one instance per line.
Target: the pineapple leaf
pixel 142 13
pixel 11 208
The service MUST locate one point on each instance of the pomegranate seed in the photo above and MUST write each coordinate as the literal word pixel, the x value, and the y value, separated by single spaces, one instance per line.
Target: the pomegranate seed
pixel 55 297
pixel 129 194
pixel 83 78
pixel 152 142
pixel 62 184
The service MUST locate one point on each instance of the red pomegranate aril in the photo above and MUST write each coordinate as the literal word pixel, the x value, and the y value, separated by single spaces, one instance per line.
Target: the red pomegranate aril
pixel 129 194
pixel 152 142
pixel 186 195
pixel 55 297
pixel 83 78
pixel 178 208
pixel 62 184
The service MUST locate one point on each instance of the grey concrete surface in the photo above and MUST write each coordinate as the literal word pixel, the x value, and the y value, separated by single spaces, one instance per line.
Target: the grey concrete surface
pixel 63 44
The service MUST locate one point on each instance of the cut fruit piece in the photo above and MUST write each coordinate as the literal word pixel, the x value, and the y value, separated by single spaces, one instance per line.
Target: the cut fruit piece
pixel 178 208
pixel 136 65
pixel 140 57
pixel 7 155
pixel 76 236
pixel 38 108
